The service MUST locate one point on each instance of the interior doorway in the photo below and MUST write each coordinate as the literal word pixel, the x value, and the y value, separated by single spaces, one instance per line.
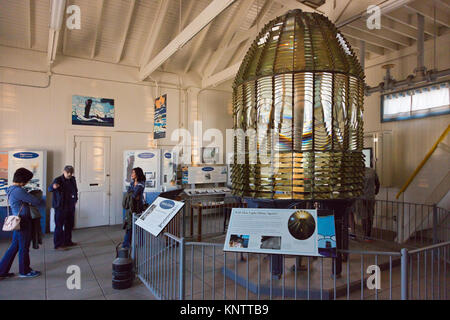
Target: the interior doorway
pixel 92 170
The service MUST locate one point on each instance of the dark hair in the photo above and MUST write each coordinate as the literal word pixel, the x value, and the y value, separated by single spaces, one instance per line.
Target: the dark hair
pixel 68 169
pixel 139 174
pixel 22 175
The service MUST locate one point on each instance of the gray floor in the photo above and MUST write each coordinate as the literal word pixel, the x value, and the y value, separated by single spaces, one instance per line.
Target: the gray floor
pixel 94 256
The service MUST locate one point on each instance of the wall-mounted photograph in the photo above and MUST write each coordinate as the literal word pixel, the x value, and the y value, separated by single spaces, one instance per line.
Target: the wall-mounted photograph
pixel 91 111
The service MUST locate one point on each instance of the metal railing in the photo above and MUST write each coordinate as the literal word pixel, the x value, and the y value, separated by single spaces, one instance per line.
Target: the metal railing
pixel 401 222
pixel 172 268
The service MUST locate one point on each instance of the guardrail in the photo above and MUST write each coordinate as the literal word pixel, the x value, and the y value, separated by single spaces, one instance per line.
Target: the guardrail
pixel 173 268
pixel 393 221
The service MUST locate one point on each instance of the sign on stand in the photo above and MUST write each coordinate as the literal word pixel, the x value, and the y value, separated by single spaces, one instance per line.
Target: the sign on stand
pixel 158 215
pixel 282 231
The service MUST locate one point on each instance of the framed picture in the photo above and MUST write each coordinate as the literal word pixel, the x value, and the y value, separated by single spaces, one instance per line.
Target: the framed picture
pixel 90 111
pixel 159 129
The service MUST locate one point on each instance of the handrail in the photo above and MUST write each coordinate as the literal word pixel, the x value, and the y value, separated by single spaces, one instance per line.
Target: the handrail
pixel 443 244
pixel 419 167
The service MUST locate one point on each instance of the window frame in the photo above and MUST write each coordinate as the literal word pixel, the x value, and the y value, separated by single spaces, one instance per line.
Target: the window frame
pixel 416 116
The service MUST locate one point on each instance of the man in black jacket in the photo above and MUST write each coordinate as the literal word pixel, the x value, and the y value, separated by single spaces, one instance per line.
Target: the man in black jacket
pixel 65 197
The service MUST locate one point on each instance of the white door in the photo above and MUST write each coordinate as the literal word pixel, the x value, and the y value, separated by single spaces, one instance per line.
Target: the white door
pixel 92 165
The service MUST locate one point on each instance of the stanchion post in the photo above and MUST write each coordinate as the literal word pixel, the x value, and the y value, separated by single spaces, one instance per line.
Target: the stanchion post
pixel 404 274
pixel 435 224
pixel 181 271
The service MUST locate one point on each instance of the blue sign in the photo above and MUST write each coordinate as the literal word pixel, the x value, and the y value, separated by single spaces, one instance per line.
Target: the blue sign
pixel 167 204
pixel 207 169
pixel 168 155
pixel 25 155
pixel 146 155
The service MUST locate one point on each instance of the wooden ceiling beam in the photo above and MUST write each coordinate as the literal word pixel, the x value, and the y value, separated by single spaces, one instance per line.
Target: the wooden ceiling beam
pixel 201 21
pixel 125 31
pixel 97 27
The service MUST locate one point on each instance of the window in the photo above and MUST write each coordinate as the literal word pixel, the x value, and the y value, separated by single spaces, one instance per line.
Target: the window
pixel 416 103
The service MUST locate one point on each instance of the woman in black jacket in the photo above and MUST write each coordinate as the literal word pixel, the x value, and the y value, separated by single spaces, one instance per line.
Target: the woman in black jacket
pixel 136 188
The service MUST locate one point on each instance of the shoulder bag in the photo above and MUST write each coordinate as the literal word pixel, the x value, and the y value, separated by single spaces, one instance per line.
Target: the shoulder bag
pixel 12 222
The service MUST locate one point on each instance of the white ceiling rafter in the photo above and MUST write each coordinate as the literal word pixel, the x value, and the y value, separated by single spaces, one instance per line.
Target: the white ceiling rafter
pixel 221 76
pixel 393 26
pixel 405 18
pixel 201 21
pixel 233 26
pixel 28 21
pixel 97 27
pixel 57 11
pixel 196 47
pixel 231 71
pixel 428 12
pixel 125 31
pixel 368 46
pixel 334 9
pixel 369 38
pixel 153 34
pixel 294 4
pixel 182 21
pixel 382 34
pixel 442 4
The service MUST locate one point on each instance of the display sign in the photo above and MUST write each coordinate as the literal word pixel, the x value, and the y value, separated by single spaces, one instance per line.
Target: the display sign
pixel 169 169
pixel 209 174
pixel 158 215
pixel 282 231
pixel 210 155
pixel 36 162
pixel 159 128
pixel 32 160
pixel 148 161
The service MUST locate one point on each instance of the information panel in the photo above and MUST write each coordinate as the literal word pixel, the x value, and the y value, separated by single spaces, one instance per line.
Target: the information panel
pixel 169 170
pixel 282 231
pixel 148 161
pixel 210 174
pixel 35 161
pixel 158 215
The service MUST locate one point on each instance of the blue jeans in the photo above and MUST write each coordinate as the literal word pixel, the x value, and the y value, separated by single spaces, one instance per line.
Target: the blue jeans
pixel 64 222
pixel 20 243
pixel 127 239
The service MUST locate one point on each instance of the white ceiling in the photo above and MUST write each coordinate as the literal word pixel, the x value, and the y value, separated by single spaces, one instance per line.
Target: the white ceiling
pixel 133 32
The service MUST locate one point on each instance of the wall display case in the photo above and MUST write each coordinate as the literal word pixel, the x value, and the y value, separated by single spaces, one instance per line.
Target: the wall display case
pixel 33 160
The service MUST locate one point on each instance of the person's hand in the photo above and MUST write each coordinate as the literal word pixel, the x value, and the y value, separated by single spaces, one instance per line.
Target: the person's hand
pixel 55 186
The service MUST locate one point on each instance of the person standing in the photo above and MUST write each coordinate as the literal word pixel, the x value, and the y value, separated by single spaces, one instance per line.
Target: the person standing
pixel 19 201
pixel 65 197
pixel 371 188
pixel 133 202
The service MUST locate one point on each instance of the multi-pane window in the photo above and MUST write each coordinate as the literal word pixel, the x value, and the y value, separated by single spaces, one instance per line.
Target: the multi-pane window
pixel 416 103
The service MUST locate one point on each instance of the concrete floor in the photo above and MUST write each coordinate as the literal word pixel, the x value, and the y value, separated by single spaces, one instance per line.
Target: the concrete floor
pixel 94 256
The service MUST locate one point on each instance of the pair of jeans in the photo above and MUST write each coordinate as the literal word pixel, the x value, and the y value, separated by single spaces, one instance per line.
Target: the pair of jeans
pixel 127 239
pixel 64 223
pixel 20 244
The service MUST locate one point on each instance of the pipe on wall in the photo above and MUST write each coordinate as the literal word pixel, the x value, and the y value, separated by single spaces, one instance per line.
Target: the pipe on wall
pixel 421 75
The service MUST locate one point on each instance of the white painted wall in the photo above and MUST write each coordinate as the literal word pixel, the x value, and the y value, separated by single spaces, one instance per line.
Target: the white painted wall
pixel 412 139
pixel 40 118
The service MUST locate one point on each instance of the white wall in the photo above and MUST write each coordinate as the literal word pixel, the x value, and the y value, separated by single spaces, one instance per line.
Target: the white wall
pixel 412 139
pixel 40 118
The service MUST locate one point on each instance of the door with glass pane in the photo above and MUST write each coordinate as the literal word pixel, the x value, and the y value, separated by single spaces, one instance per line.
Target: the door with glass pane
pixel 92 165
